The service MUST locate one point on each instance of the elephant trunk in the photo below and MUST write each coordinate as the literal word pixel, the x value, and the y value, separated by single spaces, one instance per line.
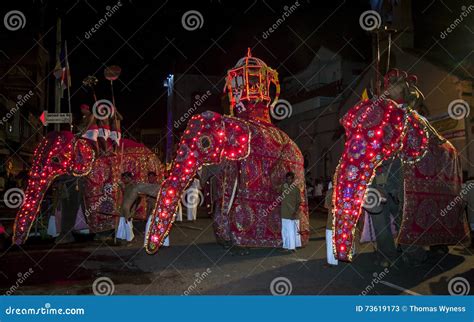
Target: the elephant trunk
pixel 351 188
pixel 37 187
pixel 52 158
pixel 199 144
pixel 208 139
pixel 374 132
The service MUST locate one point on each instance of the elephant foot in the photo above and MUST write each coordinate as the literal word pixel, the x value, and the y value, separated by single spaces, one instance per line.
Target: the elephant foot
pixel 241 251
pixel 287 251
pixel 65 238
pixel 104 236
pixel 244 252
pixel 439 250
pixel 412 261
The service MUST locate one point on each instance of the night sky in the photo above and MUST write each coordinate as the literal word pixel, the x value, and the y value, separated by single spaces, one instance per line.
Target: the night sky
pixel 147 39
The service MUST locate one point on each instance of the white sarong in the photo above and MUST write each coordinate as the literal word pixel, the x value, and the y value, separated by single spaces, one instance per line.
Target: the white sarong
pixel 52 231
pixel 125 229
pixel 91 134
pixel 289 234
pixel 329 250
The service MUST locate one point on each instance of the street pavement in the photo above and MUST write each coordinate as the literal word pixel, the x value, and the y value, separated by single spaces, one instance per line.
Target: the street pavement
pixel 195 264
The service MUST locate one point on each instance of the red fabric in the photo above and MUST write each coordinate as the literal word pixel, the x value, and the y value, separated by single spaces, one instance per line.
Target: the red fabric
pixel 433 210
pixel 106 173
pixel 254 219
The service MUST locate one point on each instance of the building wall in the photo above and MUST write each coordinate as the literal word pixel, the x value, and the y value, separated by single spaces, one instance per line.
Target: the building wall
pixel 441 87
pixel 194 94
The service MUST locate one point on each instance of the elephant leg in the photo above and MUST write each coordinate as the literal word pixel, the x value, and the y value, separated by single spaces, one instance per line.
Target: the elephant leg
pixel 69 208
pixel 383 234
pixel 102 143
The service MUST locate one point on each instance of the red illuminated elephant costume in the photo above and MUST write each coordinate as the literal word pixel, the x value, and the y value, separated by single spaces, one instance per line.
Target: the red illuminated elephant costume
pixel 377 130
pixel 61 153
pixel 253 155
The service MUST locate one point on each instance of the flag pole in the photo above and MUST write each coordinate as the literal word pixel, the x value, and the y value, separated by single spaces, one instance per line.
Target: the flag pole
pixel 57 95
pixel 68 80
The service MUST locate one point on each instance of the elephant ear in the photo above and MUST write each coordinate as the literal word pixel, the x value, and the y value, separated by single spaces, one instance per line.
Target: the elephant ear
pixel 83 157
pixel 415 141
pixel 237 137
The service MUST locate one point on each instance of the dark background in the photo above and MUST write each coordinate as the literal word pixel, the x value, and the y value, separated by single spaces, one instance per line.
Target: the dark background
pixel 147 40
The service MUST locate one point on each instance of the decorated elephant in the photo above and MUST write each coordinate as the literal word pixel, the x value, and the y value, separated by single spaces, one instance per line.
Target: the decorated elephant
pixel 61 153
pixel 388 127
pixel 253 155
pixel 140 189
